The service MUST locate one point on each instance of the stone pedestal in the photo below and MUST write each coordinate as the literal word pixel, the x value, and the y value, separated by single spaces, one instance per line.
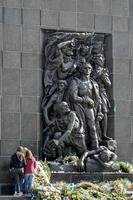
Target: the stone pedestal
pixel 75 177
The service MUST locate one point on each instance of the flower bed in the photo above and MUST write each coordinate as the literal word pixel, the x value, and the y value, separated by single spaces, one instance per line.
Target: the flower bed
pixel 111 190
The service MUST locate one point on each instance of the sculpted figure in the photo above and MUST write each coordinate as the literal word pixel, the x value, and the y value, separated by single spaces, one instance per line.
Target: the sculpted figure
pixel 75 103
pixel 101 159
pixel 55 98
pixel 49 109
pixel 84 96
pixel 52 61
pixel 67 131
pixel 68 64
pixel 71 128
pixel 84 53
pixel 101 76
pixel 60 62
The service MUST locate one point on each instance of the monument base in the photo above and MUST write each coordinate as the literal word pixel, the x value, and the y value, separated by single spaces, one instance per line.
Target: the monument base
pixel 76 177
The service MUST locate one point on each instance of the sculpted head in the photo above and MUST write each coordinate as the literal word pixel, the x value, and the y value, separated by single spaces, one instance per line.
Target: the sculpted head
pixel 62 107
pixel 104 156
pixel 85 68
pixel 98 59
pixel 62 84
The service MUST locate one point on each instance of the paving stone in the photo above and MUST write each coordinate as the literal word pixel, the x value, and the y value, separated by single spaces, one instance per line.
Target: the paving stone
pixel 123 108
pixel 130 24
pixel 11 59
pixel 29 82
pixel 69 5
pixel 68 20
pixel 30 105
pixel 102 7
pixel 31 17
pixel 1 2
pixel 120 24
pixel 103 23
pixel 11 103
pixel 123 129
pixel 33 4
pixel 52 5
pixel 12 3
pixel 131 45
pixel 85 21
pixel 121 66
pixel 50 18
pixel 121 44
pixel 12 146
pixel 12 38
pixel 28 126
pixel 31 40
pixel 12 16
pixel 10 123
pixel 131 87
pixel 131 66
pixel 124 149
pixel 1 37
pixel 121 86
pixel 130 8
pixel 4 172
pixel 30 60
pixel 86 6
pixel 11 81
pixel 1 15
pixel 120 7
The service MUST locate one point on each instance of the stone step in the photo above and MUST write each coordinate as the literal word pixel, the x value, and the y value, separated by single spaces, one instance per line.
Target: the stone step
pixel 11 197
pixel 76 177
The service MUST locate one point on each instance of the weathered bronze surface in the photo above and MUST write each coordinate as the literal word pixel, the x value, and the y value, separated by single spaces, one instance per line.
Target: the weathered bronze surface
pixel 75 103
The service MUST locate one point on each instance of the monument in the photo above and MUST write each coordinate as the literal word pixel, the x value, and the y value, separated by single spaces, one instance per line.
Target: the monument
pixel 75 102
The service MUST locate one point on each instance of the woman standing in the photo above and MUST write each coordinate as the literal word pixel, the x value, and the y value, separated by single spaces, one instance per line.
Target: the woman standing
pixel 29 170
pixel 17 164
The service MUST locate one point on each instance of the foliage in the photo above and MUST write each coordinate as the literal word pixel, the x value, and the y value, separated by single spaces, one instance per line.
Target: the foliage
pixel 42 175
pixel 125 167
pixel 110 190
pixel 73 159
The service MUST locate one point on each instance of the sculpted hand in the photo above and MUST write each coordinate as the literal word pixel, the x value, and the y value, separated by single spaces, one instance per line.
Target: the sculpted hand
pixel 89 101
pixel 99 116
pixel 80 166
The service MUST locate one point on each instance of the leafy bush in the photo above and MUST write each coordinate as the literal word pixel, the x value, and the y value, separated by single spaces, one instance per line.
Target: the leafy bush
pixel 125 167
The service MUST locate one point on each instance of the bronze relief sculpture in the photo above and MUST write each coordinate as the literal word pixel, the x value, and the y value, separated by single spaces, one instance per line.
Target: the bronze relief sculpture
pixel 75 103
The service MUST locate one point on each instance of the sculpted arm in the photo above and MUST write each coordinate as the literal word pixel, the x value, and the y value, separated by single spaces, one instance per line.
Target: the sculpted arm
pixel 72 117
pixel 62 44
pixel 48 105
pixel 74 92
pixel 105 78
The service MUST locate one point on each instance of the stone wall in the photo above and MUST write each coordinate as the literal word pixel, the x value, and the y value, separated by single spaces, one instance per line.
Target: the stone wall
pixel 21 24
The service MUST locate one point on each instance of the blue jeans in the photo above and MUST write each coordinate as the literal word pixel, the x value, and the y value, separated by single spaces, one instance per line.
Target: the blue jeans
pixel 28 182
pixel 18 181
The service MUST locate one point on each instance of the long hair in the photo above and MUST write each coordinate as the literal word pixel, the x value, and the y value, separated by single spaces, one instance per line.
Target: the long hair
pixel 20 149
pixel 29 155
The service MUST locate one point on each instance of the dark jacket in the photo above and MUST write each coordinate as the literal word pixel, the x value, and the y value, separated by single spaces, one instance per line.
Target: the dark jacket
pixel 16 162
